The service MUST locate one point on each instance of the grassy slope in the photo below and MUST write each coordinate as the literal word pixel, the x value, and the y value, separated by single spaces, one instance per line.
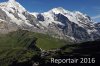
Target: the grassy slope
pixel 15 46
pixel 46 42
pixel 22 38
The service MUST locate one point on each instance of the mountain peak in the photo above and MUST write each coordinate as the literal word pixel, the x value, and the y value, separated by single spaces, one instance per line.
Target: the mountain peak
pixel 11 0
pixel 15 5
pixel 58 10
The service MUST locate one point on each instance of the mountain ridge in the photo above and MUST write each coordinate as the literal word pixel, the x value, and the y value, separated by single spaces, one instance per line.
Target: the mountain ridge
pixel 66 20
pixel 58 22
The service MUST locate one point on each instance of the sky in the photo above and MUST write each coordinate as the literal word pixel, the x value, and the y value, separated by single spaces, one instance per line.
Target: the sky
pixel 89 7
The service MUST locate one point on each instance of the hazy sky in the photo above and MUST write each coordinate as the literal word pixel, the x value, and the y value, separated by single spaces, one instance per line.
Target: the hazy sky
pixel 89 7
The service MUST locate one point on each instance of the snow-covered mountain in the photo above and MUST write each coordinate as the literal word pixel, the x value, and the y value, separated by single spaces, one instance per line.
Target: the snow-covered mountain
pixel 12 13
pixel 58 22
pixel 75 25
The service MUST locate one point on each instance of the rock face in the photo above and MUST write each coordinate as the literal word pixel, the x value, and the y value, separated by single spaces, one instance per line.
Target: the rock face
pixel 57 22
pixel 6 27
